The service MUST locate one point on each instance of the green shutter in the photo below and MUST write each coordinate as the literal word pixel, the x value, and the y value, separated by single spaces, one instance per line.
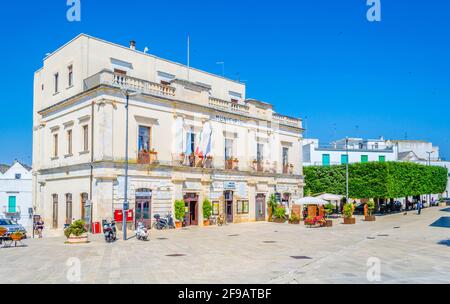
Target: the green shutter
pixel 12 204
pixel 326 159
pixel 364 158
pixel 344 159
pixel 382 158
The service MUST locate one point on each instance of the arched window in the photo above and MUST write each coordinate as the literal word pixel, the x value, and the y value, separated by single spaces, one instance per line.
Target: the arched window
pixel 68 208
pixel 55 211
pixel 84 199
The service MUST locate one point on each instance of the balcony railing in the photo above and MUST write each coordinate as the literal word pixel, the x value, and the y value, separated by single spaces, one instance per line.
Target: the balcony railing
pixel 192 161
pixel 286 120
pixel 263 166
pixel 125 82
pixel 288 169
pixel 228 106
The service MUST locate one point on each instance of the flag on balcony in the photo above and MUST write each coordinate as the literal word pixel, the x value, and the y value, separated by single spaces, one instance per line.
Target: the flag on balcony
pixel 204 143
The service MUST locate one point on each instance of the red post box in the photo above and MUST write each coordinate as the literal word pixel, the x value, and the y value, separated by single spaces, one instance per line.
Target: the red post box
pixel 118 216
pixel 130 216
pixel 96 228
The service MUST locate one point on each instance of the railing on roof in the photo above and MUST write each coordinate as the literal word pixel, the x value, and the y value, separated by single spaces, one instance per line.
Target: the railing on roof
pixel 228 106
pixel 125 82
pixel 286 120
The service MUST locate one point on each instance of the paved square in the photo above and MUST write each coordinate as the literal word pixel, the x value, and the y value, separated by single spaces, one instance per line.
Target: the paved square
pixel 410 251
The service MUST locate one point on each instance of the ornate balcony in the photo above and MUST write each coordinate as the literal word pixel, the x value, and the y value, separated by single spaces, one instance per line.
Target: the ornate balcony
pixel 121 81
pixel 286 120
pixel 228 106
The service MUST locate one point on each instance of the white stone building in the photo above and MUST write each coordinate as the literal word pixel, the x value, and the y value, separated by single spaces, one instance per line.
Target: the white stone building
pixel 79 139
pixel 355 150
pixel 15 193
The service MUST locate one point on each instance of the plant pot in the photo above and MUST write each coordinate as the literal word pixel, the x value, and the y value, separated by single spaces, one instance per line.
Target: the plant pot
pixel 206 223
pixel 442 204
pixel 294 223
pixel 349 221
pixel 369 218
pixel 153 157
pixel 82 239
pixel 329 223
pixel 179 225
pixel 3 231
pixel 279 221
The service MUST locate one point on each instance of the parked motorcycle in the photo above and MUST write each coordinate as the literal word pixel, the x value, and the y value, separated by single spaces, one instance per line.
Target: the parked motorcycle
pixel 110 231
pixel 163 223
pixel 141 232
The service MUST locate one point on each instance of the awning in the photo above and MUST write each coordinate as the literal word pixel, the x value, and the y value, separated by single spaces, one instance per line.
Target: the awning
pixel 310 201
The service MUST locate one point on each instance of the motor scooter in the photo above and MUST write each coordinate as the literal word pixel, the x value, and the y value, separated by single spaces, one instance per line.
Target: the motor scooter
pixel 141 232
pixel 110 231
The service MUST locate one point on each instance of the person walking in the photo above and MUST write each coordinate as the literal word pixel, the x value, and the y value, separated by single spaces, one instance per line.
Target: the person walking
pixel 40 227
pixel 419 207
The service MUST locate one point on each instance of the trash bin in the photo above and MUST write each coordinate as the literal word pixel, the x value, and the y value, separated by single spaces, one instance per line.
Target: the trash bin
pixel 96 228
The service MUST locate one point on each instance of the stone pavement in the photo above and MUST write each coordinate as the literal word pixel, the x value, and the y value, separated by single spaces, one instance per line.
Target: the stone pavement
pixel 409 249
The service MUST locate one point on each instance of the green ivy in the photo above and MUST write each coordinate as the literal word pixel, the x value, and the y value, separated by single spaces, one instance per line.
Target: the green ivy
pixel 377 180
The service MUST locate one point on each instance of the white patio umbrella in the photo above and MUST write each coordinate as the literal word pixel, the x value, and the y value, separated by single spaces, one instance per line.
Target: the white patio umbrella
pixel 310 201
pixel 330 197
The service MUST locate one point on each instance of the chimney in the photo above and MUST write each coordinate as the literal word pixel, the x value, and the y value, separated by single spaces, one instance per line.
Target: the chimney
pixel 133 45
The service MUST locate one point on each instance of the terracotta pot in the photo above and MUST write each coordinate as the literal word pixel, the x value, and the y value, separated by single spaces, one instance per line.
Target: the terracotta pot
pixel 442 204
pixel 349 221
pixel 329 223
pixel 206 223
pixel 82 239
pixel 179 225
pixel 295 223
pixel 279 221
pixel 3 231
pixel 369 218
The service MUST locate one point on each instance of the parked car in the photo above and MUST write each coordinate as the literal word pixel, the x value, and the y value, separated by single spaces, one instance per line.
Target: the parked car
pixel 12 227
pixel 389 207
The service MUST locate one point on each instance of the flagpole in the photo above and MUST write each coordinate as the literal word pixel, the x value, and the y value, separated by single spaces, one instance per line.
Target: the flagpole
pixel 189 55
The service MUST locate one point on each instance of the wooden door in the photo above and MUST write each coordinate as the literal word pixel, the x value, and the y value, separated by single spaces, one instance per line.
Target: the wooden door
pixel 260 208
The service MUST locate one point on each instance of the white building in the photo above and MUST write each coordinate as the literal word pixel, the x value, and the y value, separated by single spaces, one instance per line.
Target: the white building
pixel 352 150
pixel 412 150
pixel 15 193
pixel 79 139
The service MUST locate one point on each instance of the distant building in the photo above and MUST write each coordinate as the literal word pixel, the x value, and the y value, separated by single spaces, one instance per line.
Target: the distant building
pixel 15 193
pixel 415 150
pixel 352 150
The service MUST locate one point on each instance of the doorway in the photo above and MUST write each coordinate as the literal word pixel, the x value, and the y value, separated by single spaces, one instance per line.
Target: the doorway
pixel 229 206
pixel 191 204
pixel 143 207
pixel 260 207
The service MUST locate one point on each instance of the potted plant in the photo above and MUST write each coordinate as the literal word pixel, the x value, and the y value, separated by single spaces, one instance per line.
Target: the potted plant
pixel 370 207
pixel 3 231
pixel 272 204
pixel 207 212
pixel 279 215
pixel 442 202
pixel 208 162
pixel 291 169
pixel 329 209
pixel 179 213
pixel 294 219
pixel 349 209
pixel 76 233
pixel 143 157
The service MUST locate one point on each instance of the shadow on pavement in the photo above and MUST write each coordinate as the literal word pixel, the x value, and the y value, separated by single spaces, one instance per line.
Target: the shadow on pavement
pixel 443 222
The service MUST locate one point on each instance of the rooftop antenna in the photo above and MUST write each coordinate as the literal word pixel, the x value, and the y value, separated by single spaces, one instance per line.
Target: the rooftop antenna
pixel 222 63
pixel 145 50
pixel 189 55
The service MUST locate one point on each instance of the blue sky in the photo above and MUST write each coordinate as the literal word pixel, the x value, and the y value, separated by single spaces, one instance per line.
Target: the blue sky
pixel 319 59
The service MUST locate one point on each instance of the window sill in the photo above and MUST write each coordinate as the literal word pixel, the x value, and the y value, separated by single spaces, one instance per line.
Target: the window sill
pixel 68 155
pixel 56 93
pixel 55 158
pixel 84 152
pixel 69 87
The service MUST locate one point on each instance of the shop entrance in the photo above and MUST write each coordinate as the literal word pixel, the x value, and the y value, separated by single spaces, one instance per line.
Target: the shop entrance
pixel 229 206
pixel 143 207
pixel 260 207
pixel 191 204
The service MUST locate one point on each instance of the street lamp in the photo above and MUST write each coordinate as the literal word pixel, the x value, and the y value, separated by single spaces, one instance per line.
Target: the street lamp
pixel 126 206
pixel 346 170
pixel 429 164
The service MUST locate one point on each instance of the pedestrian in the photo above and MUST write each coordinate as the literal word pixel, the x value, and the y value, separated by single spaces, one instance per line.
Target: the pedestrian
pixel 40 227
pixel 419 207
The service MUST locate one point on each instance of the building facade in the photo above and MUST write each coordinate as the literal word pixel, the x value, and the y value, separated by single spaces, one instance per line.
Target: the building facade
pixel 15 193
pixel 341 152
pixel 191 136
